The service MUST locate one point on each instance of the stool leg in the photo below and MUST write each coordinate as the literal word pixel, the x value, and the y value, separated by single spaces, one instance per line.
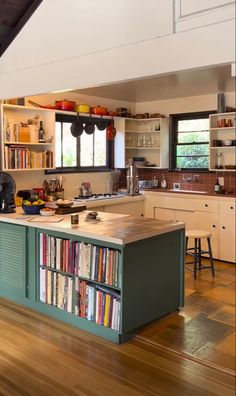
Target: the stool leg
pixel 195 259
pixel 211 258
pixel 186 245
pixel 199 254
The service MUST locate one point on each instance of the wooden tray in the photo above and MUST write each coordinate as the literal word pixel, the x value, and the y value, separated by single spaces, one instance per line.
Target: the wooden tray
pixel 72 209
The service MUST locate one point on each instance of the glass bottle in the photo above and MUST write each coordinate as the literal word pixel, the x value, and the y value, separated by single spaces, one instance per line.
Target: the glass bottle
pixel 217 186
pixel 154 182
pixel 41 133
pixel 163 181
pixel 219 160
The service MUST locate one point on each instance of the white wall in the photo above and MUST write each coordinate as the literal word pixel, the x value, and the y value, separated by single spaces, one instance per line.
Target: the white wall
pixel 81 44
pixel 185 105
pixel 71 182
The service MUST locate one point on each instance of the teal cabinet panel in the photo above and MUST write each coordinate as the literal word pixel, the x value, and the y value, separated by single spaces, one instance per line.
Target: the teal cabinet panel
pixel 152 277
pixel 13 260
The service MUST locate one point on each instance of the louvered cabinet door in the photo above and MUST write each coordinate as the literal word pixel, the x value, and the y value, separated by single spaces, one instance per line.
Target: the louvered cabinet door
pixel 12 260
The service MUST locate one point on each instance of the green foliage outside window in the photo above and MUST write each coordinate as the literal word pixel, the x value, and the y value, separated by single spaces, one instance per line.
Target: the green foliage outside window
pixel 196 153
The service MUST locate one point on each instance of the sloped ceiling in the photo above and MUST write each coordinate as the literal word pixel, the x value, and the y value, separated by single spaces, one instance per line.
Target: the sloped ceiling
pixel 13 16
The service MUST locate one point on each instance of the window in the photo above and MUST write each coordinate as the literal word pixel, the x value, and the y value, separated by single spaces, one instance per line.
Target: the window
pixel 190 141
pixel 85 153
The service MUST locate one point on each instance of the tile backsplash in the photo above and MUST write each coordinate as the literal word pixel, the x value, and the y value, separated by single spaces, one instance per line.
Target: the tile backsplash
pixel 188 181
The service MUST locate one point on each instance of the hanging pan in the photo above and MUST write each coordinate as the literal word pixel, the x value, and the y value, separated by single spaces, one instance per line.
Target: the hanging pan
pixel 89 127
pixel 111 131
pixel 101 124
pixel 77 128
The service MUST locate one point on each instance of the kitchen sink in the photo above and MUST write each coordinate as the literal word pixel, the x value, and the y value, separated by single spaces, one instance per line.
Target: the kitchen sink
pixel 189 191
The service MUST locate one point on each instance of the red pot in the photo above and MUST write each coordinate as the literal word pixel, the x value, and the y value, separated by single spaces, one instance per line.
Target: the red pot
pixel 66 105
pixel 111 132
pixel 99 110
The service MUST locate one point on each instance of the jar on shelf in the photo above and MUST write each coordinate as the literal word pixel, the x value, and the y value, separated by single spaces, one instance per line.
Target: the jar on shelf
pixel 219 161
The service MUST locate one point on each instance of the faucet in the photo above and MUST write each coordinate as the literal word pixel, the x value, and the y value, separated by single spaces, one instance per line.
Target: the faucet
pixel 189 179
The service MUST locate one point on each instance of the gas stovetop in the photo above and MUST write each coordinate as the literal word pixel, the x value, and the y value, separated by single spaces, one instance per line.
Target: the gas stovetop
pixel 98 197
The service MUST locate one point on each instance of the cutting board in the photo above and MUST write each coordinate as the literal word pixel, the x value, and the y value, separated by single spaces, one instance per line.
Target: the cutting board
pixel 72 209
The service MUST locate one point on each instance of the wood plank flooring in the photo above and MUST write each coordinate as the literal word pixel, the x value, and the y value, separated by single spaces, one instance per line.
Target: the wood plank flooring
pixel 42 356
pixel 205 328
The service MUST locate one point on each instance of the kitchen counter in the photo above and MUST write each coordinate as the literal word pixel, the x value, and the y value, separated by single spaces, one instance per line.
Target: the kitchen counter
pixel 135 263
pixel 111 201
pixel 188 192
pixel 110 227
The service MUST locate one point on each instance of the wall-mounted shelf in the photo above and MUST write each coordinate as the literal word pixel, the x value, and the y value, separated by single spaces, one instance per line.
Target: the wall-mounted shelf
pixel 23 151
pixel 222 128
pixel 148 137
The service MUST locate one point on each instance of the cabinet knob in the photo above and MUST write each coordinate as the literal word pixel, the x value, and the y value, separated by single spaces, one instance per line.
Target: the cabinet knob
pixel 223 227
pixel 206 205
pixel 214 226
pixel 231 207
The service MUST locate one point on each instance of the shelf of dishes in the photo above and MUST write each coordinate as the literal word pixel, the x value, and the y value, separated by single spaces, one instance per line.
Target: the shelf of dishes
pixel 138 141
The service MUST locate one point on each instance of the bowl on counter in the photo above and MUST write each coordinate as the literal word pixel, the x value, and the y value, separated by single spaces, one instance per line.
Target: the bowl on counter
pixel 32 209
pixel 64 203
pixel 47 212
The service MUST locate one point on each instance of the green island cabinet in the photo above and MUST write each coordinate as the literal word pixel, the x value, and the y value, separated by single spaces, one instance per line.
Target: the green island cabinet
pixel 147 280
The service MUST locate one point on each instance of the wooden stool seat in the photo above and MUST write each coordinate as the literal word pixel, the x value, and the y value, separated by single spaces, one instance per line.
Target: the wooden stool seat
pixel 197 234
pixel 196 252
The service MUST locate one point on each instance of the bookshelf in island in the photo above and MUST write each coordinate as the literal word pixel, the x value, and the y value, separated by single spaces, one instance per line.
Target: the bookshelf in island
pixel 108 277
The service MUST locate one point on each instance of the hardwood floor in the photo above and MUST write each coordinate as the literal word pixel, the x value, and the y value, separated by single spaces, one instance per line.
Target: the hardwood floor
pixel 41 356
pixel 205 328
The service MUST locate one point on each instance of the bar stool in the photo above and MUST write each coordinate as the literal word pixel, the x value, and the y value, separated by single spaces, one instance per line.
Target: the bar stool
pixel 196 252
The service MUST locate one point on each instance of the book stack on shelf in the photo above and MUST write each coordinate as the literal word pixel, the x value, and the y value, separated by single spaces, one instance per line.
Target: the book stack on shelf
pixel 20 157
pixel 63 266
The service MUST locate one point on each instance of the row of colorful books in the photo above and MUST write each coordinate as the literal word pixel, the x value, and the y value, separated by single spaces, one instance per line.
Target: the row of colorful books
pixel 20 157
pixel 89 261
pixel 80 297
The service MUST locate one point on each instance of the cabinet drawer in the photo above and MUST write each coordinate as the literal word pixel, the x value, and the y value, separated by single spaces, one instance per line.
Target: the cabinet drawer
pixel 175 203
pixel 227 207
pixel 207 205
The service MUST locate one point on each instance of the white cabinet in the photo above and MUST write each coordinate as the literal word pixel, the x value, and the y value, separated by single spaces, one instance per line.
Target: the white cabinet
pixel 185 216
pixel 222 142
pixel 212 214
pixel 208 221
pixel 129 208
pixel 164 214
pixel 227 232
pixel 147 138
pixel 20 149
pixel 192 14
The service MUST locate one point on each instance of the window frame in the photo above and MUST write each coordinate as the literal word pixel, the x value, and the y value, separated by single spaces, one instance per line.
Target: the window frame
pixel 173 130
pixel 88 169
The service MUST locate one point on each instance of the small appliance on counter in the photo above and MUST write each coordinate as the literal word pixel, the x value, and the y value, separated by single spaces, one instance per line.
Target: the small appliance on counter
pixel 40 192
pixel 132 179
pixel 85 190
pixel 7 191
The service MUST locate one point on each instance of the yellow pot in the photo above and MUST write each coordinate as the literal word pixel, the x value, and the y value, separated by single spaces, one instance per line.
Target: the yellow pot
pixel 83 108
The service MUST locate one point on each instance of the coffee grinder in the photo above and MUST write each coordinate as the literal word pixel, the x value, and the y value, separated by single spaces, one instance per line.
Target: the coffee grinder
pixel 132 179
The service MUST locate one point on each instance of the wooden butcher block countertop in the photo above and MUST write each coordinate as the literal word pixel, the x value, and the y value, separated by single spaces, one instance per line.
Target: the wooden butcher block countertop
pixel 114 228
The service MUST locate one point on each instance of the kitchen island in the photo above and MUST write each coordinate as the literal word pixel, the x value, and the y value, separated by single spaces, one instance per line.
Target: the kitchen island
pixel 108 276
